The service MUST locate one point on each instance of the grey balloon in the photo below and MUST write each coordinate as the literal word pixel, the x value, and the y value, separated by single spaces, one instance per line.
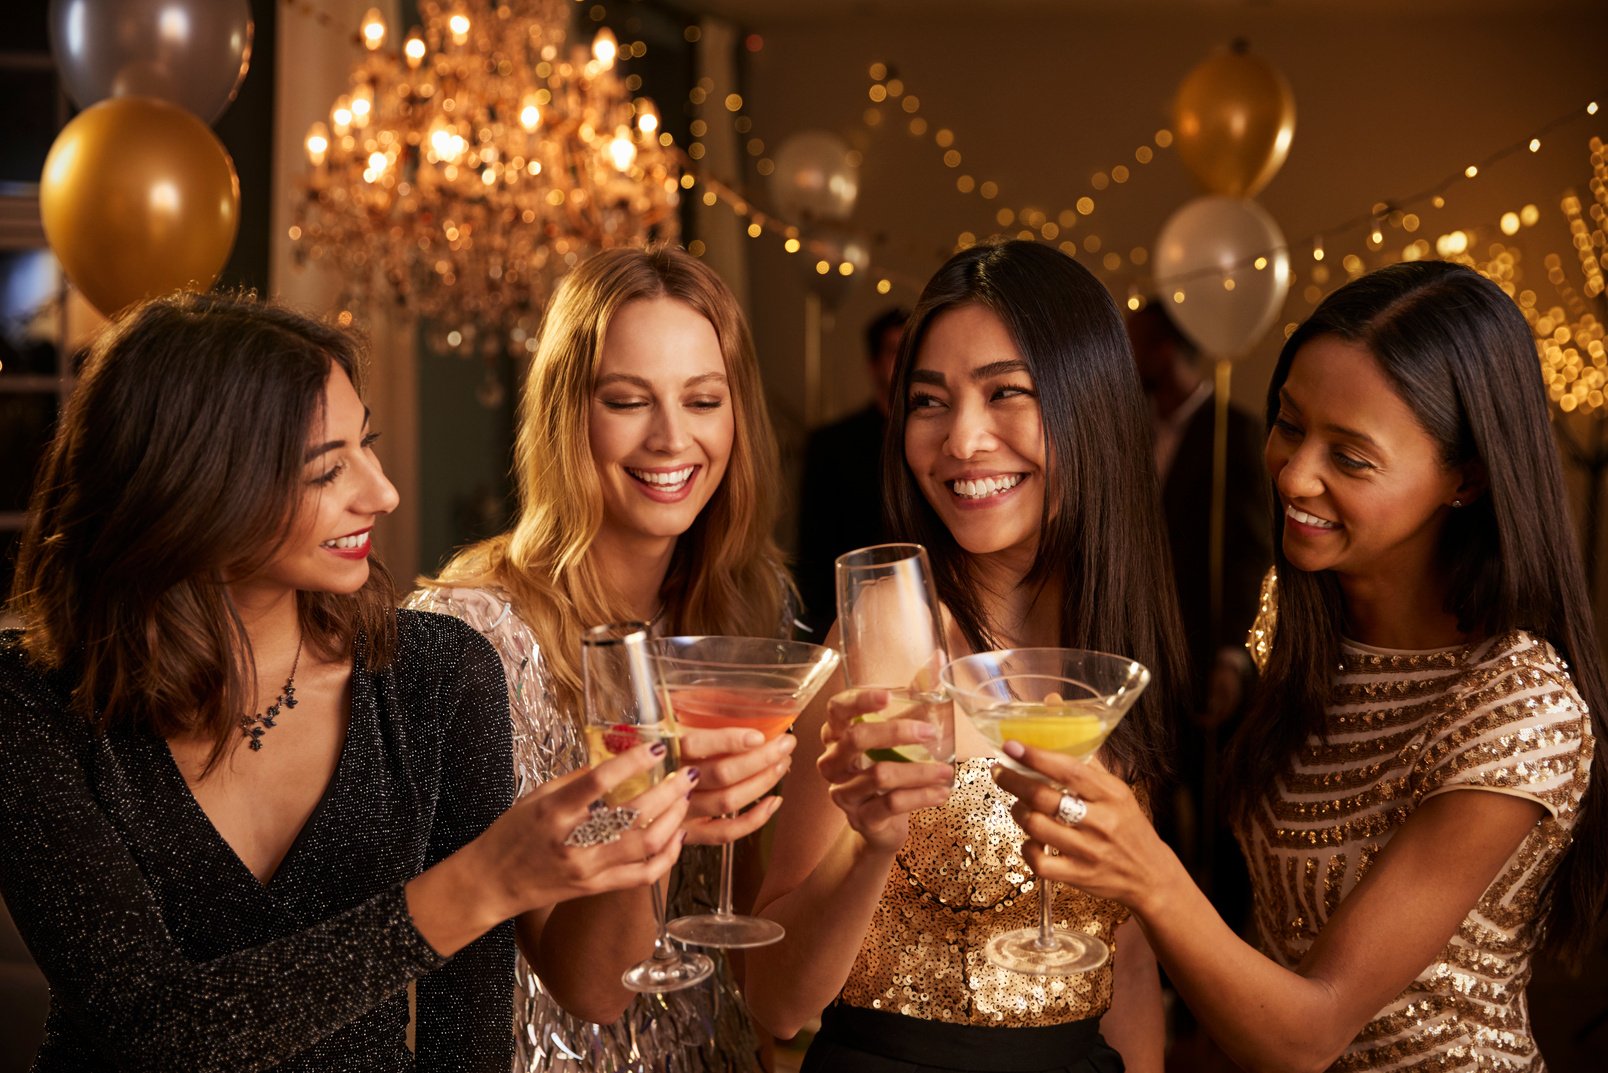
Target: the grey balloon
pixel 192 53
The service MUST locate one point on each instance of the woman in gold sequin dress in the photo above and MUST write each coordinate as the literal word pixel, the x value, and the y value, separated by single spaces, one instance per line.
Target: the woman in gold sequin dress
pixel 1413 779
pixel 645 464
pixel 1018 454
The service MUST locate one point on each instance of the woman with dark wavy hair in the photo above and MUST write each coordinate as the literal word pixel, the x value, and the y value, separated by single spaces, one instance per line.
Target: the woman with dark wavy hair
pixel 1412 785
pixel 243 801
pixel 1018 454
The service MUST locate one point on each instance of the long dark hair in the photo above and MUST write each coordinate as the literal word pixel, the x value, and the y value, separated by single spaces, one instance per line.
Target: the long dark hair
pixel 177 465
pixel 1461 356
pixel 1102 534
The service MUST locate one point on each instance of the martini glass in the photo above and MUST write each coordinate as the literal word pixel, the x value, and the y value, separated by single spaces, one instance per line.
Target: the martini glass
pixel 1066 700
pixel 755 682
pixel 622 711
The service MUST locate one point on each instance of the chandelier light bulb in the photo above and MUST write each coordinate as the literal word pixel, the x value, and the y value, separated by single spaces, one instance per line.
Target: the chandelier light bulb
pixel 459 26
pixel 317 144
pixel 362 106
pixel 373 29
pixel 648 121
pixel 413 50
pixel 605 47
pixel 340 116
pixel 622 150
pixel 530 116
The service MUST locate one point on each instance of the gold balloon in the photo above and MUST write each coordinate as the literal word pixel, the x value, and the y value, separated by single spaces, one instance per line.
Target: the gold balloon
pixel 1233 118
pixel 138 199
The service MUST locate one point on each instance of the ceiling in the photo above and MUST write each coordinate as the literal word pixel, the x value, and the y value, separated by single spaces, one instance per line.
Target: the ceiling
pixel 762 12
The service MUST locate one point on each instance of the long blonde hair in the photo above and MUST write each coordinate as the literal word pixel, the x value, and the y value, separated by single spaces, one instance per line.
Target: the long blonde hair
pixel 726 573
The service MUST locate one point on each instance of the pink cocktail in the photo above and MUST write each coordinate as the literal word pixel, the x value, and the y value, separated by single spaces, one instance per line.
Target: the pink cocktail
pixel 757 683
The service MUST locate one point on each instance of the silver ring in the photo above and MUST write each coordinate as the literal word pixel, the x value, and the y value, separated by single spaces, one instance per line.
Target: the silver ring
pixel 602 825
pixel 1072 809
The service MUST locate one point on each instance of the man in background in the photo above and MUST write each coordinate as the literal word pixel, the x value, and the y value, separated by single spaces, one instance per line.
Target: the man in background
pixel 1184 415
pixel 840 504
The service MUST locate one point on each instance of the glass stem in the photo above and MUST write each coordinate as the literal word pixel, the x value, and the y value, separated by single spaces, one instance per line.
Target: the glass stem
pixel 725 878
pixel 662 950
pixel 1046 935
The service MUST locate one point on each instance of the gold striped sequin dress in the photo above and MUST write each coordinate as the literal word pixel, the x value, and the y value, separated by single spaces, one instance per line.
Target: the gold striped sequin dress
pixel 1500 715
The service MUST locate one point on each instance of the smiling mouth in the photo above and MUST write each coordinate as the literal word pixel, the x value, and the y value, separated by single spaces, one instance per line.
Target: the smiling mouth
pixel 985 487
pixel 671 480
pixel 350 542
pixel 1309 519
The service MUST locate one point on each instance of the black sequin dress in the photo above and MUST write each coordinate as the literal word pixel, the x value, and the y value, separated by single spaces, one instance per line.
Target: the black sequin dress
pixel 164 952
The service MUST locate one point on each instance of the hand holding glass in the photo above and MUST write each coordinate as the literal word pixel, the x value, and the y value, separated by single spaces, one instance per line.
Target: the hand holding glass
pixel 623 711
pixel 1063 699
pixel 892 636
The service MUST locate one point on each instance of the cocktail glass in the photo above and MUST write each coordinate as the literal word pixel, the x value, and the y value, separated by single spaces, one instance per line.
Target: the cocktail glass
pixel 623 710
pixel 1066 700
pixel 892 637
pixel 719 682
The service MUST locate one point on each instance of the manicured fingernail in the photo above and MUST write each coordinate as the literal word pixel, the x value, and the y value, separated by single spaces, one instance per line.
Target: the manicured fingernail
pixel 753 739
pixel 658 748
pixel 1014 749
pixel 692 774
pixel 789 743
pixel 926 732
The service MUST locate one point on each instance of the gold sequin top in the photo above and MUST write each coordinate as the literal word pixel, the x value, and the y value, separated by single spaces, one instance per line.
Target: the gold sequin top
pixel 1499 715
pixel 959 881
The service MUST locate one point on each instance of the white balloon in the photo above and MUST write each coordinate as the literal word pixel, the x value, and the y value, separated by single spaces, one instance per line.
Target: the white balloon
pixel 1208 251
pixel 815 178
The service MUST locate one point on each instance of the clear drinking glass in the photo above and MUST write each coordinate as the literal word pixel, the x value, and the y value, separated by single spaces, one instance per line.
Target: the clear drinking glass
pixel 622 711
pixel 718 682
pixel 892 637
pixel 1064 699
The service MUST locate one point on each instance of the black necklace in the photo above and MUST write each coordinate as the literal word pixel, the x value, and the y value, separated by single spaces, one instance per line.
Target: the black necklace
pixel 252 727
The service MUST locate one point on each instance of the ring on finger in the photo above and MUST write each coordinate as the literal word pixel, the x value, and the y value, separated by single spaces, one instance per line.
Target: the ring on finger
pixel 1071 809
pixel 603 824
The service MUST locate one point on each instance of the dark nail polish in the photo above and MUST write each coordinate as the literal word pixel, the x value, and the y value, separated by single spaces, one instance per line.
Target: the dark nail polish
pixel 658 748
pixel 692 774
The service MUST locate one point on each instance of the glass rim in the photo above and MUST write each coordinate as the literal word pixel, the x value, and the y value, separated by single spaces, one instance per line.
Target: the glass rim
pixel 946 676
pixel 629 631
pixel 814 654
pixel 914 551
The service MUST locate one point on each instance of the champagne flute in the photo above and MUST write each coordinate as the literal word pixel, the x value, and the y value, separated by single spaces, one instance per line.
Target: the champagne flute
pixel 755 682
pixel 1064 699
pixel 622 711
pixel 892 637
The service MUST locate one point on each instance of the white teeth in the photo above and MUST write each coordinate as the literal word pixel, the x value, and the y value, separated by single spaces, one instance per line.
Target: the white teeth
pixel 1310 519
pixel 671 479
pixel 347 543
pixel 986 486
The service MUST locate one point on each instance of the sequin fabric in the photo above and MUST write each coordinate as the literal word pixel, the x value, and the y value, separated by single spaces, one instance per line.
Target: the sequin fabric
pixel 1500 715
pixel 959 881
pixel 163 951
pixel 701 1028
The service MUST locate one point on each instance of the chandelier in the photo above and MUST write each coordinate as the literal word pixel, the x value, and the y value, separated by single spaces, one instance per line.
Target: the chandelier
pixel 464 176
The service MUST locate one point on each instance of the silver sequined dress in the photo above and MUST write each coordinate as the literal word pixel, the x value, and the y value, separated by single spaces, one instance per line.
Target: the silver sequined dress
pixel 702 1028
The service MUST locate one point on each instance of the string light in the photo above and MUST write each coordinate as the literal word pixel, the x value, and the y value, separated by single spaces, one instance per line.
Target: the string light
pixel 1036 223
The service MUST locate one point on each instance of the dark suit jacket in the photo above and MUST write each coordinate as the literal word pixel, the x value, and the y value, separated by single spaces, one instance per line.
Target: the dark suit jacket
pixel 840 507
pixel 1186 500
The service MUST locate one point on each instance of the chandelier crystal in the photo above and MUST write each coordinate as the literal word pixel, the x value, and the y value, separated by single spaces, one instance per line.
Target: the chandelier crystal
pixel 468 171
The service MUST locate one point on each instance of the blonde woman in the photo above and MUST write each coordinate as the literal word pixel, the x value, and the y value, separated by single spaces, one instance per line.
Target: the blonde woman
pixel 645 465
